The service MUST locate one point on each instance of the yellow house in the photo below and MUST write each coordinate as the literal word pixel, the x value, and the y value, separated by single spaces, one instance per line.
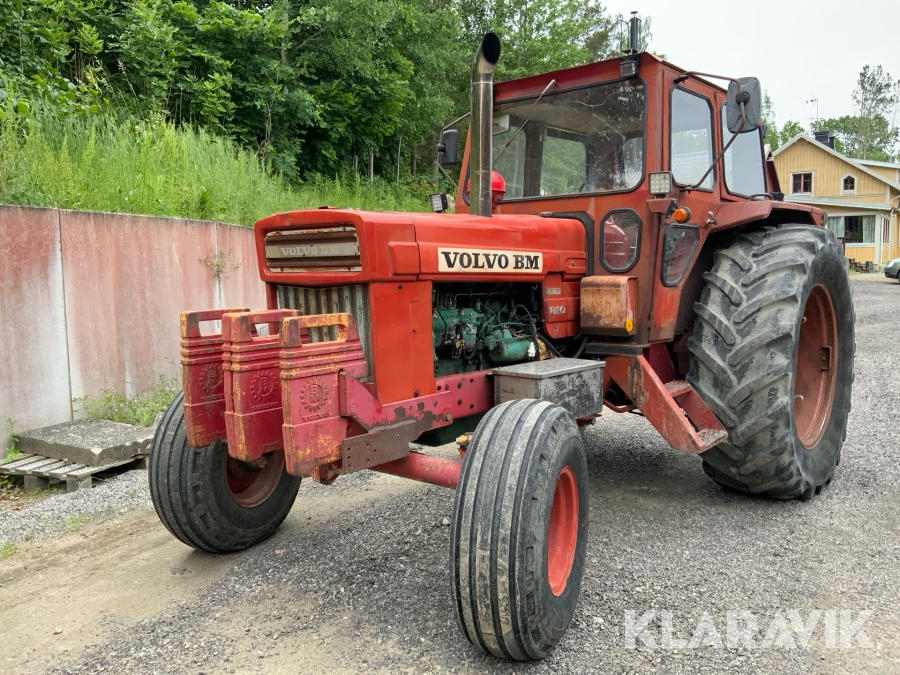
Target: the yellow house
pixel 861 198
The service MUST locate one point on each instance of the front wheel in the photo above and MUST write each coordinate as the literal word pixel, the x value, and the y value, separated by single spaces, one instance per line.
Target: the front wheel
pixel 209 500
pixel 519 530
pixel 772 356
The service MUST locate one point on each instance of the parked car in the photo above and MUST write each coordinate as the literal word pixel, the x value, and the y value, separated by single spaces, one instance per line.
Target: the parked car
pixel 892 269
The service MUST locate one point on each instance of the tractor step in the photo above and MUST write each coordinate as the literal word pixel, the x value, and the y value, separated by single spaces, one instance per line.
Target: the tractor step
pixel 674 409
pixel 678 388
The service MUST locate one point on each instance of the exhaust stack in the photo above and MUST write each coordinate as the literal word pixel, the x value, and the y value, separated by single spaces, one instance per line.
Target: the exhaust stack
pixel 480 135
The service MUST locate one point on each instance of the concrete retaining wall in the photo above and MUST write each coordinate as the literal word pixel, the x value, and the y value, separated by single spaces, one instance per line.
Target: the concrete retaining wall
pixel 91 301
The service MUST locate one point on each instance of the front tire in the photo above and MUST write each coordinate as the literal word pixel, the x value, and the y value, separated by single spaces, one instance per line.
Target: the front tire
pixel 209 500
pixel 519 530
pixel 772 356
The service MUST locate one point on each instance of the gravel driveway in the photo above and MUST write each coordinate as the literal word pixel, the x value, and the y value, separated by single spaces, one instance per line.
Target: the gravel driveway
pixel 357 578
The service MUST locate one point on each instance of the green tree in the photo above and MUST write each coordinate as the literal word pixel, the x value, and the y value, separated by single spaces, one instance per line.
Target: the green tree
pixel 872 132
pixel 33 44
pixel 305 84
pixel 768 120
pixel 876 100
pixel 789 131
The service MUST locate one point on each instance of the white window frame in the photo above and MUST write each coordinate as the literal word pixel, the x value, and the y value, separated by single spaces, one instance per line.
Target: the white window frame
pixel 812 187
pixel 855 182
pixel 860 214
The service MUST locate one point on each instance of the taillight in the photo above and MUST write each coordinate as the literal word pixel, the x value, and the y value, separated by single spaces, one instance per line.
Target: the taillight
pixel 678 251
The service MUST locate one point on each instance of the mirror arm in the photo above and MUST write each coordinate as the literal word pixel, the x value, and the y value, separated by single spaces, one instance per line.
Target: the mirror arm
pixel 527 119
pixel 698 75
pixel 453 123
pixel 720 155
pixel 447 176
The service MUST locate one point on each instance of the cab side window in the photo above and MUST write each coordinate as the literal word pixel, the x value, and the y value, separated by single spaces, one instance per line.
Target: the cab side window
pixel 691 139
pixel 744 168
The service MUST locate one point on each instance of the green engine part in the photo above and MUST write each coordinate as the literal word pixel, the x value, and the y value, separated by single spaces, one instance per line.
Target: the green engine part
pixel 505 348
pixel 475 338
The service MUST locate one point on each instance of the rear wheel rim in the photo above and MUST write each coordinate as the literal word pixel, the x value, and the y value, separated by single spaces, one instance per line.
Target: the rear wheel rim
pixel 250 486
pixel 562 534
pixel 817 354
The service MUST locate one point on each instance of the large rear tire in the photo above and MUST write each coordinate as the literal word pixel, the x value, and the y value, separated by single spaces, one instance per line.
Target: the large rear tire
pixel 209 500
pixel 519 530
pixel 772 356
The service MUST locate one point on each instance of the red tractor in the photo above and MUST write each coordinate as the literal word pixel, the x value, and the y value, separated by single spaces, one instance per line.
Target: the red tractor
pixel 635 252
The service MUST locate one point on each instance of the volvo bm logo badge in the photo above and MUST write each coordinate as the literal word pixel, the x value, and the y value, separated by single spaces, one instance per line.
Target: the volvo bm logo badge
pixel 481 260
pixel 311 250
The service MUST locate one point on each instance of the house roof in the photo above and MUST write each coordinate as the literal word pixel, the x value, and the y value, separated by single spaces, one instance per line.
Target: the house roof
pixel 852 162
pixel 826 201
pixel 874 162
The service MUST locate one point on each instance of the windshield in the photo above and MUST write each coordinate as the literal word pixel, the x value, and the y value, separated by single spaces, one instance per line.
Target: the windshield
pixel 583 140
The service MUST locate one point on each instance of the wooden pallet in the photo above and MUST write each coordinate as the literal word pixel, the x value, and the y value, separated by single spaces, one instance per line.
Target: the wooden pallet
pixel 38 471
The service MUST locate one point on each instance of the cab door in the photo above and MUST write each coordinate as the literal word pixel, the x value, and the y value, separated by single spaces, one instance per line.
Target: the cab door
pixel 689 152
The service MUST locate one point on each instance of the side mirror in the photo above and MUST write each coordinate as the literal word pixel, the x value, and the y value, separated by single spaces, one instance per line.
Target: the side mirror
pixel 743 110
pixel 447 147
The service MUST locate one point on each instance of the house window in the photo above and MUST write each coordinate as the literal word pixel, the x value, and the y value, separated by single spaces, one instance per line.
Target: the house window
pixel 885 231
pixel 836 225
pixel 848 184
pixel 859 229
pixel 801 183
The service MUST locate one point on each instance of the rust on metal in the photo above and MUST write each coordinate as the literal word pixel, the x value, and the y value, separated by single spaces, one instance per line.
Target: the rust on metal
pixel 331 418
pixel 202 378
pixel 424 468
pixel 251 365
pixel 607 305
pixel 377 446
pixel 313 428
pixel 674 409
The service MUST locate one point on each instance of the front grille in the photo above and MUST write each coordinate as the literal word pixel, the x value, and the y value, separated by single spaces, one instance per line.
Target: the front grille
pixel 353 300
pixel 334 249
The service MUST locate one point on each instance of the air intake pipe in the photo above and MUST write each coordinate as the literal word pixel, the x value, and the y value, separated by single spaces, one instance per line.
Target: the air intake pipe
pixel 480 134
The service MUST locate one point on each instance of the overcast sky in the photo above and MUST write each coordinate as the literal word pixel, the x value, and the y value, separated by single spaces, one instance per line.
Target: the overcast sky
pixel 799 50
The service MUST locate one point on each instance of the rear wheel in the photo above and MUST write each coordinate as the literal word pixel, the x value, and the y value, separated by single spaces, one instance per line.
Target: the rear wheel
pixel 519 530
pixel 210 500
pixel 772 356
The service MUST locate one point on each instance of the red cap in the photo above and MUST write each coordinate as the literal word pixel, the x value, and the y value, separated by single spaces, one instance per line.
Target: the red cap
pixel 498 184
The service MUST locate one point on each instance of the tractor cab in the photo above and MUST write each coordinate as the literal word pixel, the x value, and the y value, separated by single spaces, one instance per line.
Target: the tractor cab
pixel 653 160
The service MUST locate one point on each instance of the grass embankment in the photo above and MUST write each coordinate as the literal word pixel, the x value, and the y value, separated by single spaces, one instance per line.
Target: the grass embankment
pixel 100 163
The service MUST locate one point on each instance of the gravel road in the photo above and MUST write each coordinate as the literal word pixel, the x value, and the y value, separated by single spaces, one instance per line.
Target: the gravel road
pixel 357 578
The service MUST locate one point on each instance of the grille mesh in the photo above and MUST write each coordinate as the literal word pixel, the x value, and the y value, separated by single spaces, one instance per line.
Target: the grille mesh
pixel 353 300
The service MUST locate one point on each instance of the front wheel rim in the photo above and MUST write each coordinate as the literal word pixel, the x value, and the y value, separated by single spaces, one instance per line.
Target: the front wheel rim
pixel 250 486
pixel 817 362
pixel 562 534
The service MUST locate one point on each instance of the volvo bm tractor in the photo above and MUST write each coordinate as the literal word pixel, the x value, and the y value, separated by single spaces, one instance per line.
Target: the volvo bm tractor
pixel 619 239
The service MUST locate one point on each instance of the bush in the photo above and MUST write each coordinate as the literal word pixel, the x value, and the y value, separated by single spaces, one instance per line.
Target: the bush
pixel 141 410
pixel 100 163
